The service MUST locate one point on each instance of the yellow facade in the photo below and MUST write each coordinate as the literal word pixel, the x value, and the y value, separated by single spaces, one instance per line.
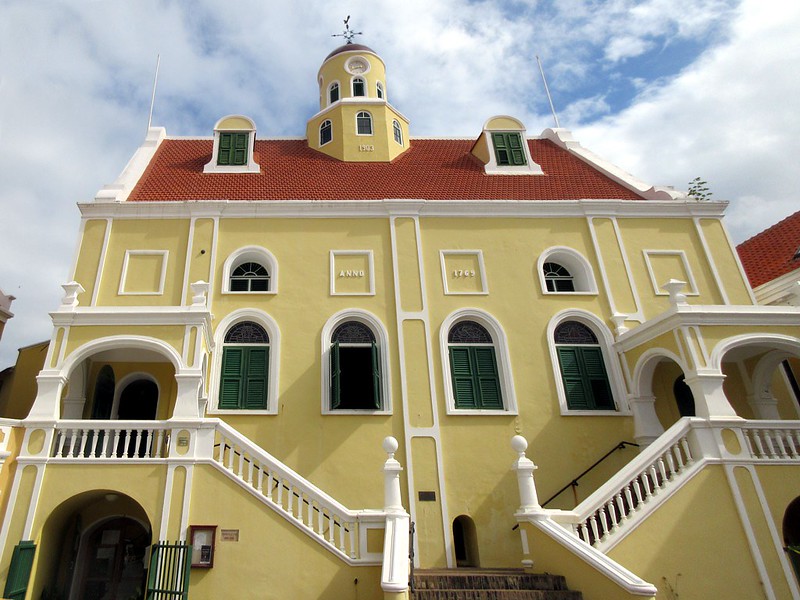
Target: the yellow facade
pixel 299 478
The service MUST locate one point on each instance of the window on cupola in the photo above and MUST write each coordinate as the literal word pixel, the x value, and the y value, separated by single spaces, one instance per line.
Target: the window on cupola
pixel 232 148
pixel 359 87
pixel 583 369
pixel 473 367
pixel 333 93
pixel 245 367
pixel 355 368
pixel 325 132
pixel 398 132
pixel 508 149
pixel 364 123
pixel 379 90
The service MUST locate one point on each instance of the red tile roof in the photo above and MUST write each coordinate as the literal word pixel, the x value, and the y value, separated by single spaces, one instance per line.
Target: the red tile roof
pixel 769 254
pixel 431 170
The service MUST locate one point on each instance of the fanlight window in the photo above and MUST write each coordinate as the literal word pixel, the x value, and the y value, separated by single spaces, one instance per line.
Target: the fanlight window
pixel 473 367
pixel 583 370
pixel 355 368
pixel 250 277
pixel 557 278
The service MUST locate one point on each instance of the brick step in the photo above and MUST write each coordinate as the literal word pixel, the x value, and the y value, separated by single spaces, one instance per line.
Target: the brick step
pixel 494 579
pixel 482 594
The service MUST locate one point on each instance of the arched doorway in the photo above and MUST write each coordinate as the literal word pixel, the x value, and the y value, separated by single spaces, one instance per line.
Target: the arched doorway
pixel 465 542
pixel 791 534
pixel 138 401
pixel 111 564
pixel 683 397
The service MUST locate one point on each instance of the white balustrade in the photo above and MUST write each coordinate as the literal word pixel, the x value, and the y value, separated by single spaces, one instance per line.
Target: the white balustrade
pixel 772 440
pixel 117 440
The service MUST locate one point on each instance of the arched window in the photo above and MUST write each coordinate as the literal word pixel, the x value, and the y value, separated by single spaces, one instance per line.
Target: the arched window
pixel 364 123
pixel 563 270
pixel 245 367
pixel 583 370
pixel 379 90
pixel 250 270
pixel 354 368
pixel 333 92
pixel 325 132
pixel 250 277
pixel 398 132
pixel 473 367
pixel 359 87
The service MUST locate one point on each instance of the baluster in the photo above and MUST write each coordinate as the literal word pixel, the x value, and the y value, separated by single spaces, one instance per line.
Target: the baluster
pixel 72 441
pixel 115 447
pixel 241 464
pixel 341 535
pixel 662 470
pixel 60 444
pixel 159 445
pixel 623 514
pixel 770 445
pixel 671 464
pixel 792 443
pixel 320 523
pixel 637 489
pixel 270 484
pixel 148 442
pixel 250 471
pixel 353 553
pixel 104 452
pixel 229 450
pixel 654 479
pixel 612 514
pixel 576 530
pixel 260 483
pixel 629 498
pixel 780 437
pixel 310 513
pixel 280 492
pixel 96 435
pixel 604 526
pixel 676 450
pixel 593 525
pixel 584 535
pixel 290 494
pixel 330 529
pixel 686 450
pixel 84 439
pixel 759 446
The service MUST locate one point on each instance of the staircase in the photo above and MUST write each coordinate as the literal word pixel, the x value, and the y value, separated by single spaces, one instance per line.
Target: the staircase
pixel 490 584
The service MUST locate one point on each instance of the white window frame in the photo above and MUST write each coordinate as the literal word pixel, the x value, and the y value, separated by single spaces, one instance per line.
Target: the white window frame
pixel 573 261
pixel 605 339
pixel 380 90
pixel 381 340
pixel 328 93
pixel 251 166
pixel 371 124
pixel 255 254
pixel 657 289
pixel 164 254
pixel 320 132
pixel 502 358
pixel 353 86
pixel 395 128
pixel 274 332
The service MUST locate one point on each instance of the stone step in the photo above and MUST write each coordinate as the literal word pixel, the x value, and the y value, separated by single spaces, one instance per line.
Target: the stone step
pixel 462 594
pixel 494 579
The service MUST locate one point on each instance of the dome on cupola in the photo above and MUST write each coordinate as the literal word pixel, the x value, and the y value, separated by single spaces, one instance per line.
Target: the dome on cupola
pixel 350 47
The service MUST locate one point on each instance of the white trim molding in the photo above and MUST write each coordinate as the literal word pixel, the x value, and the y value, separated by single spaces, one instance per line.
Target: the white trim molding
pixel 213 377
pixel 164 254
pixel 502 357
pixel 250 166
pixel 382 341
pixel 687 274
pixel 370 271
pixel 616 380
pixel 484 282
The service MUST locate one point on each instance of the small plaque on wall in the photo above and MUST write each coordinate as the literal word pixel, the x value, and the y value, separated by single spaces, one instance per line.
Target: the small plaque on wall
pixel 352 273
pixel 202 538
pixel 463 272
pixel 230 535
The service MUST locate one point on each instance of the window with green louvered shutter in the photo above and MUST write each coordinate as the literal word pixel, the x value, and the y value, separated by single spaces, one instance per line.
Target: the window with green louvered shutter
pixel 19 571
pixel 585 379
pixel 508 149
pixel 244 379
pixel 376 378
pixel 336 373
pixel 355 368
pixel 232 148
pixel 474 374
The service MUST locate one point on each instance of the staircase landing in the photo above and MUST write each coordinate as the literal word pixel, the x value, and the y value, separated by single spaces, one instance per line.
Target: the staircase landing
pixel 489 584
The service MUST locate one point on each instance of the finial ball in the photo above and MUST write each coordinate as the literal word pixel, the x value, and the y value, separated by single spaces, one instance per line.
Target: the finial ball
pixel 519 443
pixel 390 445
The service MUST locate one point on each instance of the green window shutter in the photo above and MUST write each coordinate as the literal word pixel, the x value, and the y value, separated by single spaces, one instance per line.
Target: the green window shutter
pixel 255 396
pixel 488 380
pixel 575 387
pixel 585 378
pixel 233 369
pixel 19 571
pixel 508 149
pixel 376 377
pixel 598 378
pixel 336 372
pixel 501 151
pixel 461 371
pixel 240 148
pixel 225 148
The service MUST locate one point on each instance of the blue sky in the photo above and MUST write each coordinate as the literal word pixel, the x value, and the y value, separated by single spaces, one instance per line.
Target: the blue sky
pixel 666 89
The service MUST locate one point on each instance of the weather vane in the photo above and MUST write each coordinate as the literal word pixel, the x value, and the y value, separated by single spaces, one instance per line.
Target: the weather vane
pixel 347 34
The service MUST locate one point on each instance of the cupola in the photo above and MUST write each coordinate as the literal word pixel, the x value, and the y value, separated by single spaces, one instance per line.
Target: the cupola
pixel 356 122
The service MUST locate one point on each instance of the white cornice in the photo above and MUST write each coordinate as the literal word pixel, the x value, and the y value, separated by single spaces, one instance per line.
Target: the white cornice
pixel 700 315
pixel 133 315
pixel 381 208
pixel 778 291
pixel 358 100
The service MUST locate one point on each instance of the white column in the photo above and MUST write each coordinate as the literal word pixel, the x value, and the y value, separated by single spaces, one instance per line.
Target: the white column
pixel 765 406
pixel 46 406
pixel 646 425
pixel 187 401
pixel 393 502
pixel 709 397
pixel 528 498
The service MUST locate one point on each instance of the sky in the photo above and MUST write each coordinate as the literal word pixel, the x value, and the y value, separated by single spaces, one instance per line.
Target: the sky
pixel 669 90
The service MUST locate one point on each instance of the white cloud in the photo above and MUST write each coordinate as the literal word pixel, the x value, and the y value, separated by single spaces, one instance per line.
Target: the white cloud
pixel 76 77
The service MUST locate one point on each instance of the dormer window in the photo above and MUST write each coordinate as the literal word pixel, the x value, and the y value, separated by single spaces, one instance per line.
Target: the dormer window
pixel 508 148
pixel 359 87
pixel 503 149
pixel 232 152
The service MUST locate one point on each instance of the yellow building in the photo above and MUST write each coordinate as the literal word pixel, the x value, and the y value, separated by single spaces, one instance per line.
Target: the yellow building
pixel 274 355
